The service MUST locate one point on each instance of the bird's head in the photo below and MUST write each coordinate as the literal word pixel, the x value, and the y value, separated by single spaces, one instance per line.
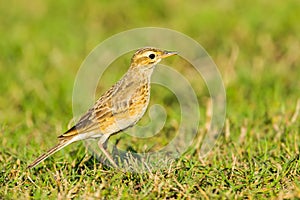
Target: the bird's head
pixel 149 57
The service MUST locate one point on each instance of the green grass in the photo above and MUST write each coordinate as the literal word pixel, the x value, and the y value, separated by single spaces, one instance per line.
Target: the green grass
pixel 256 46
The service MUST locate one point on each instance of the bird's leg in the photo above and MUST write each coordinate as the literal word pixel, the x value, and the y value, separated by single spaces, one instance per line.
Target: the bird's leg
pixel 108 156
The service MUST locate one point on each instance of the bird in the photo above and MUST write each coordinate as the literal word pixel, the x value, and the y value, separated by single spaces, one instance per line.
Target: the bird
pixel 117 109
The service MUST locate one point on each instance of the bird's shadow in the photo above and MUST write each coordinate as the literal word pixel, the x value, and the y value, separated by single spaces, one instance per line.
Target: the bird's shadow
pixel 93 160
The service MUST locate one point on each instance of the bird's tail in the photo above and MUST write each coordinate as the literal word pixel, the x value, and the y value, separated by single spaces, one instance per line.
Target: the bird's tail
pixel 51 151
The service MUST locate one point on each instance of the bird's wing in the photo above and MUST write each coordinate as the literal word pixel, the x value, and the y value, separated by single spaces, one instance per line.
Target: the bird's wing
pixel 96 119
pixel 112 112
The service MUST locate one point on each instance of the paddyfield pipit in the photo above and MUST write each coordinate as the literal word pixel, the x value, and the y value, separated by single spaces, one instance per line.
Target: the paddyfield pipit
pixel 119 108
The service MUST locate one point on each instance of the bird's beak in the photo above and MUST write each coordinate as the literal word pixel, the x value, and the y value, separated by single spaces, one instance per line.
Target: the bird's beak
pixel 168 53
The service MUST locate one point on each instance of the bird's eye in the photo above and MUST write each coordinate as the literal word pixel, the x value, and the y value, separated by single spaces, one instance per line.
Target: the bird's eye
pixel 152 56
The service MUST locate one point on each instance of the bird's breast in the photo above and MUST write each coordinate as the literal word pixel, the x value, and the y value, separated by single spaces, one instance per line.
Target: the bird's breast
pixel 130 105
pixel 140 100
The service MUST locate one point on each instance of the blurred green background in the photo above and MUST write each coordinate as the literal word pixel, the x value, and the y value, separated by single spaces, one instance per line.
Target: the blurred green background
pixel 255 44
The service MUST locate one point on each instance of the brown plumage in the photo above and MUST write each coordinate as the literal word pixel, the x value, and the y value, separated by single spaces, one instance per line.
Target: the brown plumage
pixel 120 107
